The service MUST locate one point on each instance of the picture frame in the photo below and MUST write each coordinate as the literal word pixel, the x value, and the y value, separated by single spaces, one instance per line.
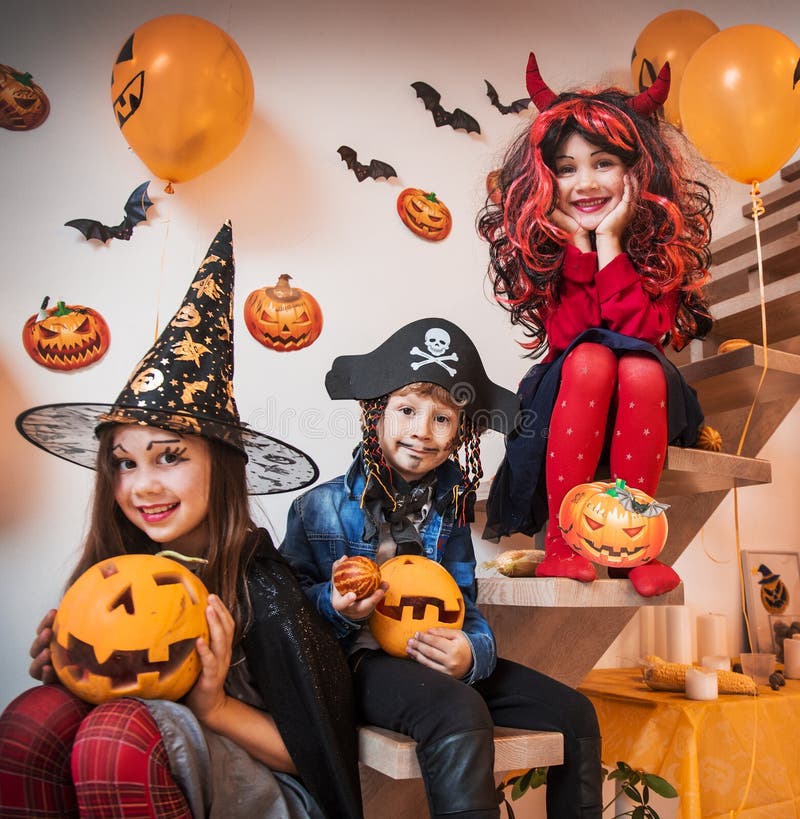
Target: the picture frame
pixel 772 593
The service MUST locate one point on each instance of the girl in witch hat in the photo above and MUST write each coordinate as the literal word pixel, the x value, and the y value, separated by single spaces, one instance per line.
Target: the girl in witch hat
pixel 425 399
pixel 599 235
pixel 267 730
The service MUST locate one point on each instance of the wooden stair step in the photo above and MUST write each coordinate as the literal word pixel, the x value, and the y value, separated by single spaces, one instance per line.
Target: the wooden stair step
pixel 693 471
pixel 395 755
pixel 791 172
pixel 729 381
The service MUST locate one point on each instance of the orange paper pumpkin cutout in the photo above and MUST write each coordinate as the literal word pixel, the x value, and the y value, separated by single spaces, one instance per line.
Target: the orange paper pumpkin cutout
pixel 422 213
pixel 127 628
pixel 23 105
pixel 613 525
pixel 422 594
pixel 283 318
pixel 67 337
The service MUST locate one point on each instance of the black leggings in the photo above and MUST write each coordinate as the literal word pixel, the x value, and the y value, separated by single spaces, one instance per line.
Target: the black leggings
pixel 404 696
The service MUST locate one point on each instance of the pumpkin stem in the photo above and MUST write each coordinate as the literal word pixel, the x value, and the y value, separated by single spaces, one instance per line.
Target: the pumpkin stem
pixel 179 556
pixel 23 79
pixel 62 309
pixel 282 289
pixel 619 485
pixel 431 197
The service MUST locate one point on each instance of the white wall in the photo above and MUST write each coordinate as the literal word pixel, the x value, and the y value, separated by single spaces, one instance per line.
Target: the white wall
pixel 325 74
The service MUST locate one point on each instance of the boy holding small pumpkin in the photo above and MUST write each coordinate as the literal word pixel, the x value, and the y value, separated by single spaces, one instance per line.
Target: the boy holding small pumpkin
pixel 424 395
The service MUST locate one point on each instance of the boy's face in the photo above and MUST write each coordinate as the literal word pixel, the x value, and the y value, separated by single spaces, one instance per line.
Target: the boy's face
pixel 417 434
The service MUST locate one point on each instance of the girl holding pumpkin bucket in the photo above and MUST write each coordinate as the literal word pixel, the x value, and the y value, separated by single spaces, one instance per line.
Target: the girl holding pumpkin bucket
pixel 425 395
pixel 273 700
pixel 599 233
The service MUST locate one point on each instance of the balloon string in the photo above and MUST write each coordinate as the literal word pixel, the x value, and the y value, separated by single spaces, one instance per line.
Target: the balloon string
pixel 161 275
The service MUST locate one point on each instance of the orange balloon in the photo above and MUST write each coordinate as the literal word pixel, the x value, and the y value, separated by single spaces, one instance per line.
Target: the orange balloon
pixel 182 93
pixel 740 101
pixel 671 37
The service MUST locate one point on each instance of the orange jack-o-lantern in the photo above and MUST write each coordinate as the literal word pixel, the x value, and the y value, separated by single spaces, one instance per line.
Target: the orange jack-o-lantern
pixel 424 214
pixel 422 594
pixel 613 525
pixel 127 627
pixel 23 105
pixel 66 337
pixel 283 317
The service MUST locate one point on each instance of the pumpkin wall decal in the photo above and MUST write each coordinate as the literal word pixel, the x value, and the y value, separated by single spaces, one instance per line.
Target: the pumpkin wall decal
pixel 613 525
pixel 66 337
pixel 422 213
pixel 283 318
pixel 422 594
pixel 127 627
pixel 23 105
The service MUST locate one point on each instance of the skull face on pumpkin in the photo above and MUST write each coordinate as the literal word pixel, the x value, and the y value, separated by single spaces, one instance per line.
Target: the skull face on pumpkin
pixel 422 594
pixel 127 627
pixel 283 318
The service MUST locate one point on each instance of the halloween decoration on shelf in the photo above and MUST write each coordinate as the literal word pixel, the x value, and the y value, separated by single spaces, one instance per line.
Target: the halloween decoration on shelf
pixel 135 212
pixel 732 344
pixel 182 94
pixel 377 169
pixel 515 107
pixel 422 213
pixel 422 594
pixel 283 318
pixel 23 105
pixel 613 525
pixel 455 119
pixel 357 574
pixel 709 439
pixel 774 593
pixel 65 337
pixel 127 627
pixel 516 562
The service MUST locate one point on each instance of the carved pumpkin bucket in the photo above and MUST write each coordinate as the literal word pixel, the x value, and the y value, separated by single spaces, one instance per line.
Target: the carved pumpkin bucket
pixel 613 525
pixel 127 627
pixel 66 337
pixel 422 594
pixel 283 318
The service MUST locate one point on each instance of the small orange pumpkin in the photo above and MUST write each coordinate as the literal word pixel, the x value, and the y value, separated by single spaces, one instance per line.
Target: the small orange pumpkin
pixel 23 105
pixel 283 318
pixel 357 574
pixel 422 594
pixel 612 525
pixel 424 214
pixel 66 337
pixel 127 627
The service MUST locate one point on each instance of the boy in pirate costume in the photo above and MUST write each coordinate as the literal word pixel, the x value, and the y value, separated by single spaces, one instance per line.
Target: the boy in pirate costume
pixel 424 395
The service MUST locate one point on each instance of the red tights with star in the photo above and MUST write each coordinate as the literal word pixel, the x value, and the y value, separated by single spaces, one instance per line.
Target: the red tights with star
pixel 598 388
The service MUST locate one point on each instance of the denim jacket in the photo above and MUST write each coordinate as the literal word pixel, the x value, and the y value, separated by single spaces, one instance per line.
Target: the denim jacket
pixel 327 522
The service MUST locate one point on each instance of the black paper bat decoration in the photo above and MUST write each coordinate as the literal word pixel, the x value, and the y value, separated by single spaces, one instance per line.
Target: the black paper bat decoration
pixel 457 119
pixel 135 212
pixel 515 107
pixel 375 170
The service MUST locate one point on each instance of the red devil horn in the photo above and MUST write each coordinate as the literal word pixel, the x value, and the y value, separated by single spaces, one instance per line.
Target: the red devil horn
pixel 539 92
pixel 649 100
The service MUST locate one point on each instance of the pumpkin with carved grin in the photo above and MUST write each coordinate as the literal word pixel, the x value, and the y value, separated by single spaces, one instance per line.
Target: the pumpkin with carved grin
pixel 283 318
pixel 422 213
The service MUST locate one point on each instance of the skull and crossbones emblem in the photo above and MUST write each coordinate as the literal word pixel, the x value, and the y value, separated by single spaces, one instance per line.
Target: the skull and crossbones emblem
pixel 437 342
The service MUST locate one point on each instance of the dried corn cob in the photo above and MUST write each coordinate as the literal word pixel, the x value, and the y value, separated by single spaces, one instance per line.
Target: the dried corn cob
pixel 663 676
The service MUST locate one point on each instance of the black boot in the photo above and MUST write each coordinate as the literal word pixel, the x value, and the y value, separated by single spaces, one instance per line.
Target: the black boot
pixel 459 776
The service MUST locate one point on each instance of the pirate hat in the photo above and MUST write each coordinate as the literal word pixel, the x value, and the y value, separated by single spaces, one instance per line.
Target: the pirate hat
pixel 184 384
pixel 433 350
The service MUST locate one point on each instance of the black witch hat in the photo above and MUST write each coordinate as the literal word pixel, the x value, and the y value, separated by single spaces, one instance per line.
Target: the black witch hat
pixel 184 384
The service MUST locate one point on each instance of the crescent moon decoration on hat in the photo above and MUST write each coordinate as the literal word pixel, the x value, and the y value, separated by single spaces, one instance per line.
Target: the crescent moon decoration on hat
pixel 183 384
pixel 429 349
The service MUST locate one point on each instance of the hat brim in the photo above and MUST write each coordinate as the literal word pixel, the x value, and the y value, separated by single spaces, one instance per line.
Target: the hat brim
pixel 68 431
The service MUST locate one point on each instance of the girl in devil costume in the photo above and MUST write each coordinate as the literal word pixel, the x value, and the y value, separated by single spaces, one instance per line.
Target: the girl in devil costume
pixel 599 238
pixel 268 729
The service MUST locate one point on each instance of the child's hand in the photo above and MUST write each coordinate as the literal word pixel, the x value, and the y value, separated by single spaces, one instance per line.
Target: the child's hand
pixel 443 649
pixel 616 221
pixel 578 235
pixel 348 606
pixel 42 668
pixel 207 696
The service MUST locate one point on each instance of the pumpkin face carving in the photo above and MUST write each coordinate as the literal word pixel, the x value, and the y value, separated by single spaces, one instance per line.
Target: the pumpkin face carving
pixel 23 105
pixel 422 594
pixel 612 525
pixel 127 627
pixel 422 213
pixel 67 338
pixel 283 318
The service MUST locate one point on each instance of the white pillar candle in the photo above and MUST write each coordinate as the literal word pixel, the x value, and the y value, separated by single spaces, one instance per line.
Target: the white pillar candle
pixel 660 631
pixel 701 684
pixel 712 635
pixel 791 658
pixel 647 631
pixel 679 635
pixel 717 662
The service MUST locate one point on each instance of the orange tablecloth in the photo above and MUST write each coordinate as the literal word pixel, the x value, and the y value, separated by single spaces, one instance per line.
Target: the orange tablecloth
pixel 705 749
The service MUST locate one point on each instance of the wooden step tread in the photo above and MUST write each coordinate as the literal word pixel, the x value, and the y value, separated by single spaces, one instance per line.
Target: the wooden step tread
pixel 729 380
pixel 395 755
pixel 692 471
